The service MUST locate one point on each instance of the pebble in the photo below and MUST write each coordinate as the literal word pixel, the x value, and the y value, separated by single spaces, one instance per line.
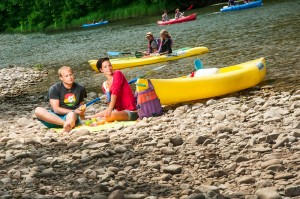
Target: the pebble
pixel 173 169
pixel 267 193
pixel 292 190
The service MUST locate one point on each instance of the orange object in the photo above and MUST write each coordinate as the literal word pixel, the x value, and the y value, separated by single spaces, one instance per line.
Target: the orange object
pixel 101 122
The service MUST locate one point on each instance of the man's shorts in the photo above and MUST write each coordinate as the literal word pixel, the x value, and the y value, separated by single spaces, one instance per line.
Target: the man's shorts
pixel 132 115
pixel 63 117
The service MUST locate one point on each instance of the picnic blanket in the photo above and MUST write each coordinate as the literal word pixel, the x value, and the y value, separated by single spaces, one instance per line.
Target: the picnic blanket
pixel 112 125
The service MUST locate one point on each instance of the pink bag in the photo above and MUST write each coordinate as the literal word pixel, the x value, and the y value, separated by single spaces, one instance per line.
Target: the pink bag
pixel 148 104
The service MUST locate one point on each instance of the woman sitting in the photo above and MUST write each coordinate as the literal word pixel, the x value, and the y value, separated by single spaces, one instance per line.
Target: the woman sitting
pixel 166 43
pixel 122 103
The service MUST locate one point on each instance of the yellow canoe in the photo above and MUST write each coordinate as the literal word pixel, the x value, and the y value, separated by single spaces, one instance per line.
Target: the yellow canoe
pixel 226 80
pixel 127 63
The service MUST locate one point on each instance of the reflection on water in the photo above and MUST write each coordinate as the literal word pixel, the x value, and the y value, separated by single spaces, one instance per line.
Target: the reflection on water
pixel 270 31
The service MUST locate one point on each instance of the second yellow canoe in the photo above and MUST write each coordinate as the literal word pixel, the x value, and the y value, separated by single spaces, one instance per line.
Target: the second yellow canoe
pixel 226 80
pixel 127 63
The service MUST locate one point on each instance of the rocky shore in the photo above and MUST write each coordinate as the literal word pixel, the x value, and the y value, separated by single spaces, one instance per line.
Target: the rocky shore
pixel 244 145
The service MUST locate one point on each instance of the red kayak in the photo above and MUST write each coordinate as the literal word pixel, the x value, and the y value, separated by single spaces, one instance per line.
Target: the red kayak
pixel 180 20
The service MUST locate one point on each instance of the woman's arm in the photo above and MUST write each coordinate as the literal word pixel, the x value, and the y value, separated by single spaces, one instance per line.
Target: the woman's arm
pixel 111 105
pixel 168 45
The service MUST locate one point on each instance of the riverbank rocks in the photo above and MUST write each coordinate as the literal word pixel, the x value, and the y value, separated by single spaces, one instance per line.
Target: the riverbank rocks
pixel 21 80
pixel 241 146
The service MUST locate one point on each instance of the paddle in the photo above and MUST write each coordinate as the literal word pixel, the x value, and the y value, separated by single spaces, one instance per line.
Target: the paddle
pixel 198 64
pixel 137 53
pixel 130 82
pixel 147 73
pixel 95 100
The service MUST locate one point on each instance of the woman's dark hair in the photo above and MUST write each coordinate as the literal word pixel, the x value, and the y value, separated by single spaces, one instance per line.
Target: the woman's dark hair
pixel 100 61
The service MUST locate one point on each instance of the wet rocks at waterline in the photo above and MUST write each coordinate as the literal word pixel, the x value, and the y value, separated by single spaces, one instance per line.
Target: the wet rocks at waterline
pixel 16 80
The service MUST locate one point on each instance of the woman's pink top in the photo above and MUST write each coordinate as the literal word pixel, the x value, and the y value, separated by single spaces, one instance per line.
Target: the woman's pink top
pixel 121 89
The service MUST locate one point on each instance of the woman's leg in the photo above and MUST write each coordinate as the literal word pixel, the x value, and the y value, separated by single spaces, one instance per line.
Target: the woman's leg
pixel 100 114
pixel 118 116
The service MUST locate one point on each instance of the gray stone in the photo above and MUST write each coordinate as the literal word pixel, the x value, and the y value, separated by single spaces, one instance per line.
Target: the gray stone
pixel 271 162
pixel 198 139
pixel 197 196
pixel 207 188
pixel 283 176
pixel 241 159
pixel 47 173
pixel 22 122
pixel 219 115
pixel 133 162
pixel 103 139
pixel 276 168
pixel 292 190
pixel 296 133
pixel 230 167
pixel 80 132
pixel 176 140
pixel 166 177
pixel 120 149
pixel 272 137
pixel 246 180
pixel 261 149
pixel 173 169
pixel 135 196
pixel 280 142
pixel 117 194
pixel 267 193
pixel 251 197
pixel 264 183
pixel 5 181
pixel 211 102
pixel 167 151
pixel 221 128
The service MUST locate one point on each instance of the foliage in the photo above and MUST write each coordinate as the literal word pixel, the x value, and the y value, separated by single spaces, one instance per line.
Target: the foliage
pixel 33 15
pixel 39 67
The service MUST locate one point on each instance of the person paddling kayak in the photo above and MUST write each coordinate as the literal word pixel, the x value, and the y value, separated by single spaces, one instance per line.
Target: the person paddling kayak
pixel 231 3
pixel 178 14
pixel 165 17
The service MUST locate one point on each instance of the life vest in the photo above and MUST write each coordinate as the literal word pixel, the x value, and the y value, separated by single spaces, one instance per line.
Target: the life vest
pixel 161 44
pixel 157 41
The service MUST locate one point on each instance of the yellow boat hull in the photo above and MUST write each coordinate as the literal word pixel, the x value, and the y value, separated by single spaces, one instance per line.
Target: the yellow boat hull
pixel 127 63
pixel 228 80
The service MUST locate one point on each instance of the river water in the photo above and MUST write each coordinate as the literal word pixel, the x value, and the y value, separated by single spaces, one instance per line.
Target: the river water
pixel 270 31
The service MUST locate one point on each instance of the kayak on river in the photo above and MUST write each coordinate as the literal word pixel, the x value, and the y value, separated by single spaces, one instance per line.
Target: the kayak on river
pixel 133 62
pixel 94 24
pixel 179 20
pixel 242 6
pixel 210 82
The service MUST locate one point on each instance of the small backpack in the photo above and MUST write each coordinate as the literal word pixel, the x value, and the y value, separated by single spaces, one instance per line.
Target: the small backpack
pixel 148 104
